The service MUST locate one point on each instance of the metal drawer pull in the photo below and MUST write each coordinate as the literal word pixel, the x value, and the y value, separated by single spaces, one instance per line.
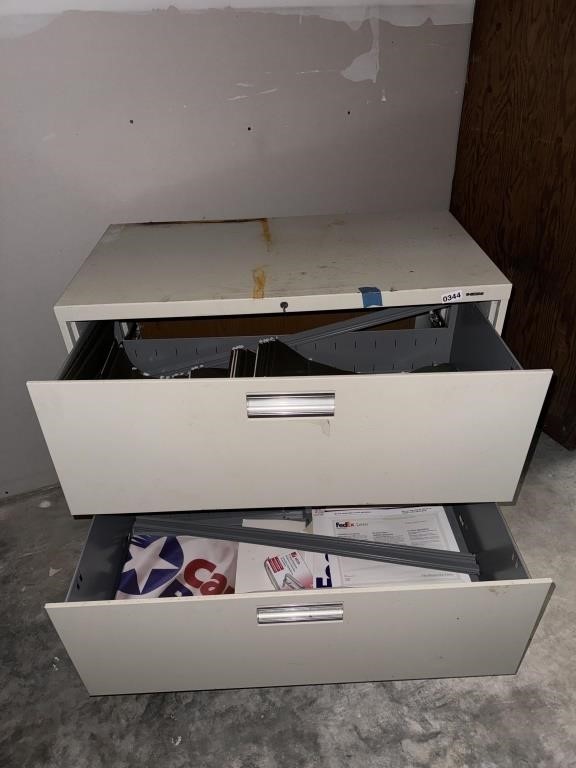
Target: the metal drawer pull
pixel 287 614
pixel 264 406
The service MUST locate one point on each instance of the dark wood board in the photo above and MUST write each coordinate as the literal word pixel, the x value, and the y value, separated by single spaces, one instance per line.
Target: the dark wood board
pixel 515 180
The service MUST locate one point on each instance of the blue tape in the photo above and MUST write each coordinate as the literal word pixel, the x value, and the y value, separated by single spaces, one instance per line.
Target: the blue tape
pixel 371 297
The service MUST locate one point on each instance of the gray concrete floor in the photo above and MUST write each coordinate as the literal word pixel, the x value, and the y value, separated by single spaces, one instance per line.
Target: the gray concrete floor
pixel 527 721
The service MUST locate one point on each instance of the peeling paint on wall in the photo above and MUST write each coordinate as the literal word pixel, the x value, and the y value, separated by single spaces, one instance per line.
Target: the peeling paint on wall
pixel 408 8
pixel 367 65
pixel 19 17
pixel 401 13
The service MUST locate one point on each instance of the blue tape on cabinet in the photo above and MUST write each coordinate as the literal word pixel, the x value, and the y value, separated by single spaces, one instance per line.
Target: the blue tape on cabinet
pixel 371 297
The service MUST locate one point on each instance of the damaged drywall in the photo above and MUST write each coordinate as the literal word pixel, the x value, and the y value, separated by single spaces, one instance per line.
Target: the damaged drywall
pixel 367 65
pixel 405 12
pixel 23 17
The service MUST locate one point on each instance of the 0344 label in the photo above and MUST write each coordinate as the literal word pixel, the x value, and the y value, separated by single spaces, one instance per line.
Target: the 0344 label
pixel 455 295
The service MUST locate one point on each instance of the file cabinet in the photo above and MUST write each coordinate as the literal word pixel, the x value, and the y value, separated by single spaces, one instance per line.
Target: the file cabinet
pixel 436 409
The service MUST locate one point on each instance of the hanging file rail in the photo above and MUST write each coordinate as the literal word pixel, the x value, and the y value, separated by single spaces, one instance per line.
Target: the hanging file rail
pixel 193 361
pixel 401 554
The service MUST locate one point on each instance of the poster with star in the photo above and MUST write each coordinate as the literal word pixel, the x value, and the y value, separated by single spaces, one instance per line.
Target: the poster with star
pixel 177 566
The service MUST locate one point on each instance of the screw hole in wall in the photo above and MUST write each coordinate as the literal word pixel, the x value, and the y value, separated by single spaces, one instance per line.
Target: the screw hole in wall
pixel 131 122
pixel 249 127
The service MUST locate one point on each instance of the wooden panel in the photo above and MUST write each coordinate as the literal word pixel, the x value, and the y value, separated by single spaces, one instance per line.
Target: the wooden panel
pixel 252 325
pixel 387 633
pixel 515 180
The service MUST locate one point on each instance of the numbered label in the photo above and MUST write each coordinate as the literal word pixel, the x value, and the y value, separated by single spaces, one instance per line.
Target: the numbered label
pixel 455 295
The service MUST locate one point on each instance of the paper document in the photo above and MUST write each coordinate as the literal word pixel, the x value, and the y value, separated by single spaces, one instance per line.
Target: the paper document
pixel 414 526
pixel 255 570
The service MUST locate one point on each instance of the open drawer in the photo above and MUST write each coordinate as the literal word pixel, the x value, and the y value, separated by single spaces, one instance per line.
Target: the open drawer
pixel 124 445
pixel 342 635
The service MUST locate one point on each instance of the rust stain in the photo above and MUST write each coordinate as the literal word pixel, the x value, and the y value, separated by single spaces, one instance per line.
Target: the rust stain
pixel 259 279
pixel 259 273
pixel 266 234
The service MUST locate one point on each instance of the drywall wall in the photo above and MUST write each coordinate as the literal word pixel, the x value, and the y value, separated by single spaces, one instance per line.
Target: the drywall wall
pixel 440 11
pixel 116 117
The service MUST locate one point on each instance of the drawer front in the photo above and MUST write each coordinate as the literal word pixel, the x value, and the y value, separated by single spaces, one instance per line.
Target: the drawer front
pixel 383 633
pixel 133 446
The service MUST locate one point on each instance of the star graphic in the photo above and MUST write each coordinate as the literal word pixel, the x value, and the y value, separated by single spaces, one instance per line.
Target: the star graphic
pixel 152 562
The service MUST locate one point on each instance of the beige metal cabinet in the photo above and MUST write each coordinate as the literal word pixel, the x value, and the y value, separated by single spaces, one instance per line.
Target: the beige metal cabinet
pixel 386 435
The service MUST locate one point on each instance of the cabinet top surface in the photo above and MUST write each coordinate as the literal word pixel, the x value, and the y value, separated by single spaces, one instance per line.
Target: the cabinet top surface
pixel 250 267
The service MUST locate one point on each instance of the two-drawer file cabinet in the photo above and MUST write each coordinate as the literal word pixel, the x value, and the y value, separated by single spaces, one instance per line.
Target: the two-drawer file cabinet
pixel 153 299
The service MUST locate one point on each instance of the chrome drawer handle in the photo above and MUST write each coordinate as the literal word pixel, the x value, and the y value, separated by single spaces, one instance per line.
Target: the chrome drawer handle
pixel 287 614
pixel 264 406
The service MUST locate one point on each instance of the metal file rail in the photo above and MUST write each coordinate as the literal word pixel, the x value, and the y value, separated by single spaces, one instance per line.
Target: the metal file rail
pixel 230 529
pixel 368 320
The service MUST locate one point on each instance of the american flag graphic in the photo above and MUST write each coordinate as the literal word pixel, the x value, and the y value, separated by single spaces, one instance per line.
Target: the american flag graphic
pixel 177 566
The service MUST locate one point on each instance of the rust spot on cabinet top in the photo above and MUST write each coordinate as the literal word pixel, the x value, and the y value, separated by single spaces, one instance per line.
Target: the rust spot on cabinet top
pixel 259 283
pixel 266 233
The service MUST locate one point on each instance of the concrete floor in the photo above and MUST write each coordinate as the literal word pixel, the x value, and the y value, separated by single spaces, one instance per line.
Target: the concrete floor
pixel 527 721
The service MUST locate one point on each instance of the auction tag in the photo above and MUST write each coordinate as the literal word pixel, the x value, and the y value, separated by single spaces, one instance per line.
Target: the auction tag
pixel 455 295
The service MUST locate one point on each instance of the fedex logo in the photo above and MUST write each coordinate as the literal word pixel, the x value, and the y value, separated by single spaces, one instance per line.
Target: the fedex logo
pixel 348 524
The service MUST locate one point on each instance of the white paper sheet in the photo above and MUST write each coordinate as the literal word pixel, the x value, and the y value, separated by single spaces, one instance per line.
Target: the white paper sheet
pixel 251 574
pixel 414 526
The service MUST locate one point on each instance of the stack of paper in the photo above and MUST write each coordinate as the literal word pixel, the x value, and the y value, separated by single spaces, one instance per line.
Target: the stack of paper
pixel 264 568
pixel 414 526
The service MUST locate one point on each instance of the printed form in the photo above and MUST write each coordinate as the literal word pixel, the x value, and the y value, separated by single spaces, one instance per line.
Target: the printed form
pixel 414 526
